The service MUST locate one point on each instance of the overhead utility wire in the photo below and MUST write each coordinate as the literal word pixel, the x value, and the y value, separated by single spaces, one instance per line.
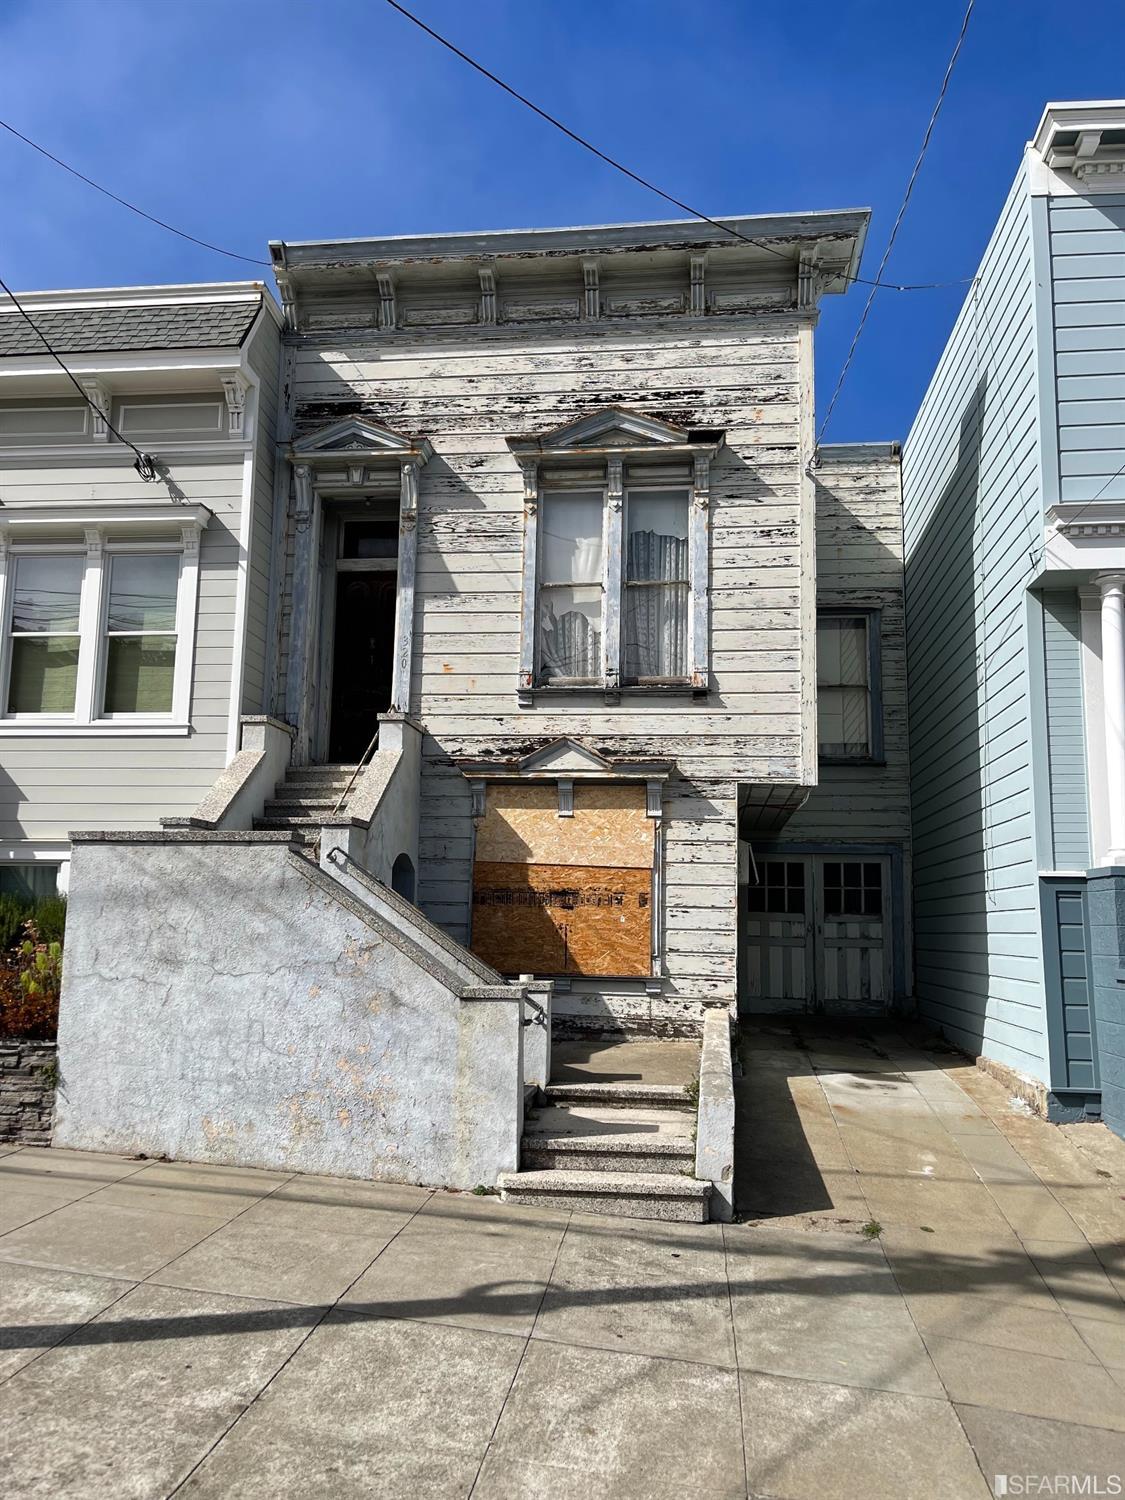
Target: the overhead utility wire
pixel 124 202
pixel 651 187
pixel 898 219
pixel 144 464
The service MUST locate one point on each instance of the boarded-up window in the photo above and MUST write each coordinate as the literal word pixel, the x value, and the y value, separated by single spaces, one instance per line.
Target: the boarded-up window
pixel 564 895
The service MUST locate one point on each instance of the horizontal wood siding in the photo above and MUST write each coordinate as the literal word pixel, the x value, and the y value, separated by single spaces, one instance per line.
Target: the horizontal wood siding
pixel 973 538
pixel 859 563
pixel 1087 238
pixel 466 392
pixel 1066 738
pixel 51 785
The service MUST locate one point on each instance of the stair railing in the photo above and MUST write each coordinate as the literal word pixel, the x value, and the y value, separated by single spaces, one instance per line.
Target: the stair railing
pixel 346 793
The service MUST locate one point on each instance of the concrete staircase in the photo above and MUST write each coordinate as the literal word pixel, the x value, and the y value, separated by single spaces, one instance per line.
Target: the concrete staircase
pixel 306 800
pixel 611 1148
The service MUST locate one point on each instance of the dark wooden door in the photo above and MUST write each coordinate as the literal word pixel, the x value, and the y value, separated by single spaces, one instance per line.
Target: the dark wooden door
pixel 362 661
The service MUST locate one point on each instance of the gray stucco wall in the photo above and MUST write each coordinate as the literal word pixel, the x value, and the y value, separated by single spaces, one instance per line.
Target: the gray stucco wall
pixel 225 1001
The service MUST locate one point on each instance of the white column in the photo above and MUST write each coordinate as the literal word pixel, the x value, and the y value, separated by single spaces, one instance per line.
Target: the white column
pixel 1112 586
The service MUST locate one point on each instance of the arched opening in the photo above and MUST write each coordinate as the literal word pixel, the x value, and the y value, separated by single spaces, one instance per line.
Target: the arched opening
pixel 402 876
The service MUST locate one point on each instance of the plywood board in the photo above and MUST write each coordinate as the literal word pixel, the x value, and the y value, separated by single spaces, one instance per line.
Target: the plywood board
pixel 609 828
pixel 562 919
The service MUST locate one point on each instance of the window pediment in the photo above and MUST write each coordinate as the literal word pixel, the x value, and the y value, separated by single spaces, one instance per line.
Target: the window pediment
pixel 354 435
pixel 568 758
pixel 615 429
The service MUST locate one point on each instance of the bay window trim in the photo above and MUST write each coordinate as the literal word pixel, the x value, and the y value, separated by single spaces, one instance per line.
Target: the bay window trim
pixel 96 546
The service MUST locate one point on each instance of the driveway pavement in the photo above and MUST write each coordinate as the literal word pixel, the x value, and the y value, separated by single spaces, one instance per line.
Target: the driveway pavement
pixel 205 1332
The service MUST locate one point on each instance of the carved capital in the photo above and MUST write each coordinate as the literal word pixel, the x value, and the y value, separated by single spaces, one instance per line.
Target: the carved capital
pixel 189 535
pixel 94 542
pixel 701 468
pixel 408 489
pixel 807 278
pixel 235 387
pixel 487 294
pixel 99 398
pixel 592 307
pixel 303 487
pixel 615 482
pixel 388 314
pixel 699 283
pixel 529 469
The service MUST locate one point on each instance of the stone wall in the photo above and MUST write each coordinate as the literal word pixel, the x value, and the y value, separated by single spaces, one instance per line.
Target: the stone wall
pixel 27 1091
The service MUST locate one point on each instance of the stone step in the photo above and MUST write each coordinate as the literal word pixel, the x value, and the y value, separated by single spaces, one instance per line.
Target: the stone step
pixel 629 1195
pixel 319 776
pixel 300 820
pixel 600 1153
pixel 620 1095
pixel 283 806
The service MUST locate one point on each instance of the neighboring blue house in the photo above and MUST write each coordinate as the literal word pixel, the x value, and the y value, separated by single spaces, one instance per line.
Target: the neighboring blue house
pixel 1014 510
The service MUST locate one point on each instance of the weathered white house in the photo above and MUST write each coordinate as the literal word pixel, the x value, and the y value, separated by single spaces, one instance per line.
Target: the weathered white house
pixel 135 616
pixel 537 717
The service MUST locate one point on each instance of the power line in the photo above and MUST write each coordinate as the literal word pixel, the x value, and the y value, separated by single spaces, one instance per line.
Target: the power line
pixel 144 464
pixel 898 218
pixel 124 202
pixel 651 187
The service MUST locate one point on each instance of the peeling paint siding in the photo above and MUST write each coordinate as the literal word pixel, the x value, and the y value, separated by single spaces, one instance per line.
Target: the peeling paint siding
pixel 859 562
pixel 467 391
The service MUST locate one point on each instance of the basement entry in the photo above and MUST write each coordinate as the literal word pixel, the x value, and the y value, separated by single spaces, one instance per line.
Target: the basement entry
pixel 816 936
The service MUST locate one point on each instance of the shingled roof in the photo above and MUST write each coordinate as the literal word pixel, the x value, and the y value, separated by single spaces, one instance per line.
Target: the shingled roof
pixel 98 330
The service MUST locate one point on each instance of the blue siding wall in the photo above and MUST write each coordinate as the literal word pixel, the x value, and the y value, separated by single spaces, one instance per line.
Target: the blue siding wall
pixel 1069 987
pixel 973 538
pixel 1066 737
pixel 1088 267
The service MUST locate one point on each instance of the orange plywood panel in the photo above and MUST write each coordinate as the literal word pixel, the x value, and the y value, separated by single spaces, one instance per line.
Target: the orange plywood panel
pixel 562 919
pixel 610 828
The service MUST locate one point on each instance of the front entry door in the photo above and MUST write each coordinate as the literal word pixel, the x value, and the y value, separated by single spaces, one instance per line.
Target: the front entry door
pixel 818 936
pixel 359 652
pixel 362 660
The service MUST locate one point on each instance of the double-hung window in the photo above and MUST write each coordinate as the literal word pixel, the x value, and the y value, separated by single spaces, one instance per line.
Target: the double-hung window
pixel 657 581
pixel 571 587
pixel 615 564
pixel 140 633
pixel 849 714
pixel 100 635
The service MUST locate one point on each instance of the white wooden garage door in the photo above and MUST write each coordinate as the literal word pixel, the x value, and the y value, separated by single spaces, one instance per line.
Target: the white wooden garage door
pixel 817 935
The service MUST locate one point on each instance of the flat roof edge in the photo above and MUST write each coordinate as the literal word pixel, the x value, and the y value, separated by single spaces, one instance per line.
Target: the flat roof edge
pixel 643 234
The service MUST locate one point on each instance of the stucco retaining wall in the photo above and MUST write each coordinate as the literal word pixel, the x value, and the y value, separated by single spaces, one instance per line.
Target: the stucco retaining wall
pixel 28 1071
pixel 227 1001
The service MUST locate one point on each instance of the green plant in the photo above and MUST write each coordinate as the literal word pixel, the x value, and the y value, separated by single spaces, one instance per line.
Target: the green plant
pixel 872 1229
pixel 49 915
pixel 49 1073
pixel 691 1089
pixel 29 987
pixel 14 912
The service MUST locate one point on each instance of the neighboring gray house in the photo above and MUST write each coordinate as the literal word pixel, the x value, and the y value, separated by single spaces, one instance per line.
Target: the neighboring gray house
pixel 1014 499
pixel 133 615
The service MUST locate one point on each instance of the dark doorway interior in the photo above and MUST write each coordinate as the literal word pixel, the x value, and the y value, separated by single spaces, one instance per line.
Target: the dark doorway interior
pixel 362 659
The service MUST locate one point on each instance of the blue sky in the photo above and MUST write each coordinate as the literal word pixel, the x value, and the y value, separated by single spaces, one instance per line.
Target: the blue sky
pixel 246 120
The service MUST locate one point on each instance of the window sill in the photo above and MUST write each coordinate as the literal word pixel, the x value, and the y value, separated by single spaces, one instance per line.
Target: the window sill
pixel 612 695
pixel 875 761
pixel 59 729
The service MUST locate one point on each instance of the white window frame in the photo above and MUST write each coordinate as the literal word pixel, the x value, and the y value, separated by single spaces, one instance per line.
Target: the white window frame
pixel 89 718
pixel 615 489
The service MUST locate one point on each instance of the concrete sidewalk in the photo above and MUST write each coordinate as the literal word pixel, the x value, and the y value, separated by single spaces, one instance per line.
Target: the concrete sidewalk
pixel 173 1329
